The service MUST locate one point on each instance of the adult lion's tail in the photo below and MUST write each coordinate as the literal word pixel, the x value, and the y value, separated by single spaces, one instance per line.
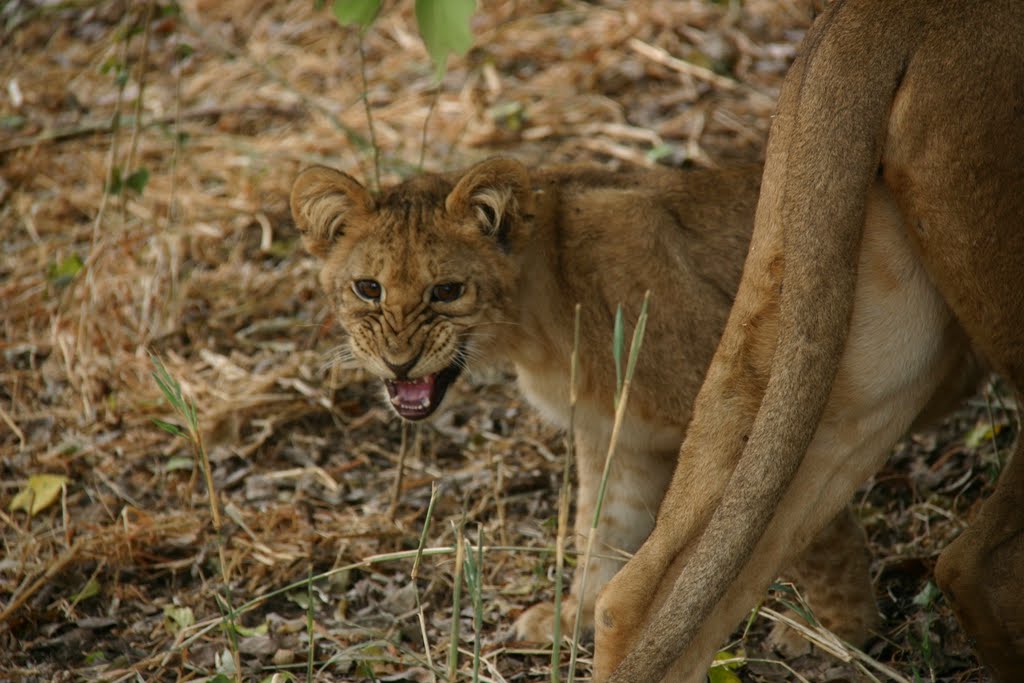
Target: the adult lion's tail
pixel 823 154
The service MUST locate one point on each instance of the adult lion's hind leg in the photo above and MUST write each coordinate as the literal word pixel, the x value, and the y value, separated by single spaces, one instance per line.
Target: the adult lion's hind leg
pixel 965 192
pixel 982 572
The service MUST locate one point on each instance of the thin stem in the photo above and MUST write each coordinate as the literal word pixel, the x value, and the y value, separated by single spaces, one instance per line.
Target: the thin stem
pixel 415 573
pixel 396 490
pixel 171 389
pixel 369 115
pixel 426 122
pixel 478 608
pixel 460 554
pixel 620 414
pixel 310 630
pixel 143 65
pixel 563 503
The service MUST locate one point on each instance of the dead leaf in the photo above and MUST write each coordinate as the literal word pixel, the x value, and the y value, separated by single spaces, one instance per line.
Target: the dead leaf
pixel 41 492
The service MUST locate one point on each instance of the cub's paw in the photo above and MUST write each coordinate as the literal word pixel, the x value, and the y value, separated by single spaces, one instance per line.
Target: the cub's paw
pixel 850 626
pixel 537 624
pixel 787 641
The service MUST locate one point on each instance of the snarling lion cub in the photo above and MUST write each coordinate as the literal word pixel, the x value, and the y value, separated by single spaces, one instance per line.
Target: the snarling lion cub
pixel 823 364
pixel 445 272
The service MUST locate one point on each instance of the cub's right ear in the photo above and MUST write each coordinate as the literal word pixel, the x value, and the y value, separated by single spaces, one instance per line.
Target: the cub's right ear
pixel 324 202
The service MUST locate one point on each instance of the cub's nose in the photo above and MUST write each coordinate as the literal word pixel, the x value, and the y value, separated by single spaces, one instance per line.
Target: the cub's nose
pixel 401 370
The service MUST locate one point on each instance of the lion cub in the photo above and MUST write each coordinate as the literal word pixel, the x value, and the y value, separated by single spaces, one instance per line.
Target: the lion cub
pixel 445 272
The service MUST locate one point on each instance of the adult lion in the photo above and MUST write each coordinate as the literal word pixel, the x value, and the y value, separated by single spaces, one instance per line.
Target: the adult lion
pixel 823 365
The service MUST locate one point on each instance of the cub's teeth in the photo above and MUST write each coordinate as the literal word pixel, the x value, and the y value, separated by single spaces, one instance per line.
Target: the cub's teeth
pixel 422 403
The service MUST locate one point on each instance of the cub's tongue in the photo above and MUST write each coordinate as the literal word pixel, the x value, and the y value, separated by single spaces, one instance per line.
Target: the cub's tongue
pixel 416 399
pixel 412 398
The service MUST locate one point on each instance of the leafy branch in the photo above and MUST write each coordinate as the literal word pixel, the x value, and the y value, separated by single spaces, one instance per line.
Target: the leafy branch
pixel 444 24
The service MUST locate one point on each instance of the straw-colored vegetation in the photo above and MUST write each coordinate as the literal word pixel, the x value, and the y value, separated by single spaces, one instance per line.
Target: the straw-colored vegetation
pixel 146 153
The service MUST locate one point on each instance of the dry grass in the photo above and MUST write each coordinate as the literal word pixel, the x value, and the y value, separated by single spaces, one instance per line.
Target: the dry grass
pixel 222 103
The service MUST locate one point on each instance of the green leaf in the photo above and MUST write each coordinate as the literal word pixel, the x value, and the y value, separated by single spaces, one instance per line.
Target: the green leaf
pixel 89 590
pixel 801 610
pixel 618 339
pixel 42 491
pixel 282 248
pixel 444 27
pixel 927 595
pixel 300 598
pixel 225 663
pixel 659 152
pixel 179 462
pixel 509 115
pixel 361 12
pixel 138 179
pixel 128 32
pixel 982 434
pixel 177 618
pixel 168 427
pixel 278 677
pixel 12 122
pixel 64 271
pixel 110 64
pixel 720 674
pixel 247 632
pixel 638 337
pixel 115 184
pixel 925 630
pixel 723 673
pixel 168 385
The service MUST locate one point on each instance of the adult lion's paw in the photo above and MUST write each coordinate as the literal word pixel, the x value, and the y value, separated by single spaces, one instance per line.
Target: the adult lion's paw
pixel 537 624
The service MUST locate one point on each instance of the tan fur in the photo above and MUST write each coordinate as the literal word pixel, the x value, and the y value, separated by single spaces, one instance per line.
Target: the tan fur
pixel 527 247
pixel 846 332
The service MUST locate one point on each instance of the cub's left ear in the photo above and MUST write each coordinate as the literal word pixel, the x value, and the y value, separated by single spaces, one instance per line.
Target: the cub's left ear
pixel 497 193
pixel 325 203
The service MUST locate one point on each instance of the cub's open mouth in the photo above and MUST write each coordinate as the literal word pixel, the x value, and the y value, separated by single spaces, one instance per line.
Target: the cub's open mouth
pixel 415 399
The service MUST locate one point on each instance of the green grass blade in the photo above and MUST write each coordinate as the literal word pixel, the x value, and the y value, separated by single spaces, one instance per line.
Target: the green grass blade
pixel 638 337
pixel 453 651
pixel 618 335
pixel 169 386
pixel 310 631
pixel 413 575
pixel 474 580
pixel 563 504
pixel 168 427
pixel 620 413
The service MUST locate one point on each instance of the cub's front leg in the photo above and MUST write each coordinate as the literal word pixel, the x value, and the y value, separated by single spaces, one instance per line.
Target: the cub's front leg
pixel 636 485
pixel 834 575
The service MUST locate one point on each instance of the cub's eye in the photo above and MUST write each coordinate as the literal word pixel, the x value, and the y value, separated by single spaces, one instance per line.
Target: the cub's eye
pixel 447 292
pixel 367 290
